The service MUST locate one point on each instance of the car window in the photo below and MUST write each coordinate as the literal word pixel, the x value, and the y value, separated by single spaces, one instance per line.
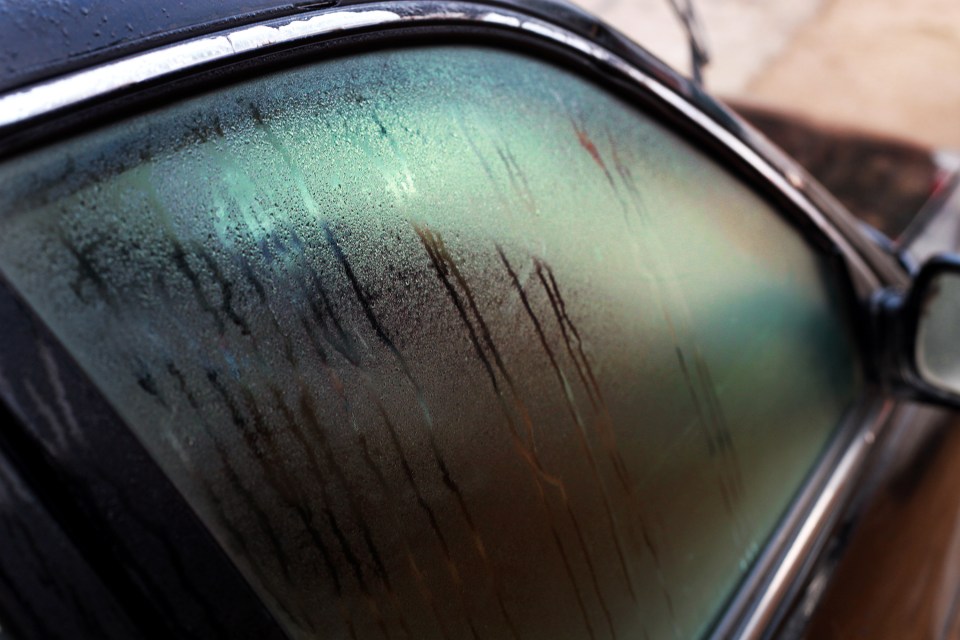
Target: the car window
pixel 444 341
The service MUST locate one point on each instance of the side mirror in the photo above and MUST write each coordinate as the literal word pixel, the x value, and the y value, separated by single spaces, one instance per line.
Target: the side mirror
pixel 937 338
pixel 923 335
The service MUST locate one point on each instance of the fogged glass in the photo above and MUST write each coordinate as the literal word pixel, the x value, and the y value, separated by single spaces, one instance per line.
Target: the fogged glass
pixel 443 342
pixel 938 333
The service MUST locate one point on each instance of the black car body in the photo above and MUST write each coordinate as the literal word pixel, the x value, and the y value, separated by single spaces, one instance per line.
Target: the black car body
pixel 285 422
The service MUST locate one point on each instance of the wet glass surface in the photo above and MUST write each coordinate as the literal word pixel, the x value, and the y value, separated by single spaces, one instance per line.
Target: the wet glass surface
pixel 443 342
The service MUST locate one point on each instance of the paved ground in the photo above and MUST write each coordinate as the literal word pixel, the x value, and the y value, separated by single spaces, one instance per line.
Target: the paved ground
pixel 884 65
pixel 881 66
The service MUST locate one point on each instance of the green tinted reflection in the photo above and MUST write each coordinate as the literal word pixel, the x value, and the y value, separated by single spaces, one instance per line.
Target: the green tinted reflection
pixel 444 343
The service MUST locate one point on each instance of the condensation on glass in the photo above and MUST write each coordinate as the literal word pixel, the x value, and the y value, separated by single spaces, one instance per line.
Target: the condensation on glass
pixel 443 342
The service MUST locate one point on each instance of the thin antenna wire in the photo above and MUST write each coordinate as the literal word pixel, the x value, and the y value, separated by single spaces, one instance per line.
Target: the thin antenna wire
pixel 699 54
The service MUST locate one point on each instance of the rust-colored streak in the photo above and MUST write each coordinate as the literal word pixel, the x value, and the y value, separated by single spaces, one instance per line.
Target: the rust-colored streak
pixel 267 452
pixel 310 414
pixel 588 144
pixel 387 488
pixel 445 266
pixel 633 202
pixel 383 336
pixel 451 564
pixel 436 254
pixel 269 457
pixel 381 332
pixel 268 529
pixel 445 475
pixel 604 425
pixel 584 445
pixel 423 587
pixel 574 345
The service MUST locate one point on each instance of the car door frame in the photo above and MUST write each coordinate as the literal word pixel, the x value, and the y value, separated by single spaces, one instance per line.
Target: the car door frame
pixel 60 105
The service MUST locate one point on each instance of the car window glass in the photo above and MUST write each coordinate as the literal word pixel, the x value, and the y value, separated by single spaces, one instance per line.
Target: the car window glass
pixel 444 342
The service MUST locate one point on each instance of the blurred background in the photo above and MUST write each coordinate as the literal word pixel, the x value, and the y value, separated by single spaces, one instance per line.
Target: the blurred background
pixel 864 93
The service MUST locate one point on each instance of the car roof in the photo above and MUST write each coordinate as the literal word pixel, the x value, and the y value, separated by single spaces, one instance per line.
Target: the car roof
pixel 49 38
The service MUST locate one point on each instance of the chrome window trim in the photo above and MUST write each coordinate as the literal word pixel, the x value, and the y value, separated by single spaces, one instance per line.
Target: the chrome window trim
pixel 771 583
pixel 828 502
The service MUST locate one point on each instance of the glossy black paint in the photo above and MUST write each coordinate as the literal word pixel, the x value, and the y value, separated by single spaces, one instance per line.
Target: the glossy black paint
pixel 97 482
pixel 49 587
pixel 46 39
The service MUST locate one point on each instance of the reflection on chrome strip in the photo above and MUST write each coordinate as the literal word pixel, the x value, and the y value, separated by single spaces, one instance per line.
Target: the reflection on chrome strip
pixel 84 85
pixel 811 532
